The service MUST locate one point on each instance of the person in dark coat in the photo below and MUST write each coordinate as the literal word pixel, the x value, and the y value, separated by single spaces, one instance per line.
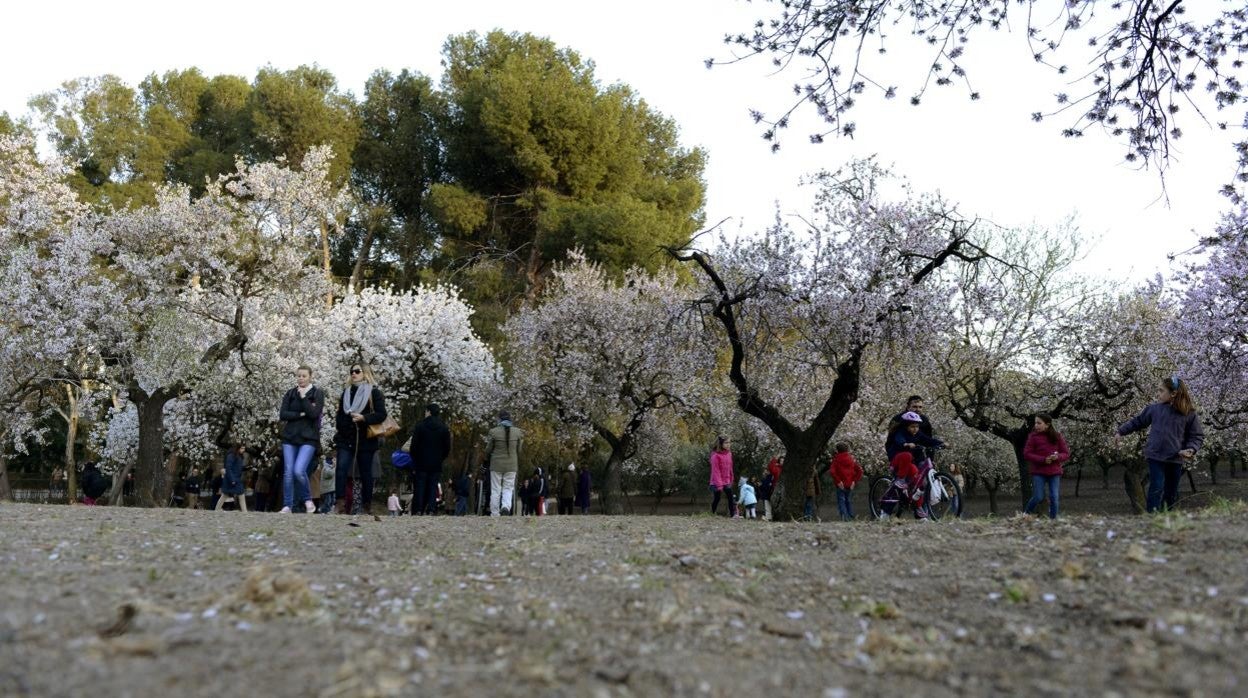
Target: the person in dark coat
pixel 582 491
pixel 232 481
pixel 94 483
pixel 430 446
pixel 362 405
pixel 463 489
pixel 567 490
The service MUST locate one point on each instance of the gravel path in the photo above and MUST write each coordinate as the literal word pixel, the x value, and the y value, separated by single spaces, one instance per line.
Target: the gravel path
pixel 126 602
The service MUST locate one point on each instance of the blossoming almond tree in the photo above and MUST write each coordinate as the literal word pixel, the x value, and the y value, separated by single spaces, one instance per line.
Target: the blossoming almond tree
pixel 46 262
pixel 1212 323
pixel 799 312
pixel 194 279
pixel 604 355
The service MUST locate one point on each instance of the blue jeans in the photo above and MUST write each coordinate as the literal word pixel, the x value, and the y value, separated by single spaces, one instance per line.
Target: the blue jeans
pixel 809 509
pixel 327 503
pixel 845 503
pixel 1038 485
pixel 461 505
pixel 295 460
pixel 1163 484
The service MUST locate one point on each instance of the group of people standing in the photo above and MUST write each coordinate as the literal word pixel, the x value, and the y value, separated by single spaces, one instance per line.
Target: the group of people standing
pixel 361 408
pixel 1175 435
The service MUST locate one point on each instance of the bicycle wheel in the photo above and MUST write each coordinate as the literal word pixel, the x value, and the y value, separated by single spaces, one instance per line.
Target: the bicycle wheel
pixel 950 505
pixel 881 488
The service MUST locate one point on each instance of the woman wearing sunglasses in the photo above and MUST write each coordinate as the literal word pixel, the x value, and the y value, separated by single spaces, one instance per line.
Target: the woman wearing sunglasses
pixel 301 435
pixel 362 405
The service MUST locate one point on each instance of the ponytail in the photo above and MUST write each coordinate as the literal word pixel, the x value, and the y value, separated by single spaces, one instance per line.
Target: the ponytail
pixel 507 436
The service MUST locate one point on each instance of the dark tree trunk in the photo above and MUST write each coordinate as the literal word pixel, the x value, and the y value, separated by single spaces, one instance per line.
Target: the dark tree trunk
pixel 152 483
pixel 612 489
pixel 6 491
pixel 992 497
pixel 799 465
pixel 1018 439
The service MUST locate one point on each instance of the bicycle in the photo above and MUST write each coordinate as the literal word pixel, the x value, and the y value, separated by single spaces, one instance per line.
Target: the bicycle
pixel 938 502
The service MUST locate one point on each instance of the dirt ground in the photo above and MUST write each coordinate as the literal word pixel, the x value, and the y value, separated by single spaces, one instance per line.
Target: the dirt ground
pixel 127 602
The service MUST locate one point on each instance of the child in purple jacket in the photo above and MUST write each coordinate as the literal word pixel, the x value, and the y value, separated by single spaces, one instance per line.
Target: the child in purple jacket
pixel 1174 436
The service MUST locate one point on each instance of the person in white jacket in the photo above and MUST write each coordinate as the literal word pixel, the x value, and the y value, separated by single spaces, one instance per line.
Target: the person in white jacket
pixel 748 499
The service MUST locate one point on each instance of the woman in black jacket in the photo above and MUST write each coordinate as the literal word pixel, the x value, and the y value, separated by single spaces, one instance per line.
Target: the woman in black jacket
pixel 361 406
pixel 301 411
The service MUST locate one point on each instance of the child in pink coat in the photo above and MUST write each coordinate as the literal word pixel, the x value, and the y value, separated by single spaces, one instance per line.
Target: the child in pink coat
pixel 721 474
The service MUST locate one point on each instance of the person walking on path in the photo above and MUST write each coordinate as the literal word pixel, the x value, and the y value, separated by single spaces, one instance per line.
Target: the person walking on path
pixel 567 490
pixel 362 405
pixel 721 474
pixel 232 488
pixel 429 447
pixel 301 411
pixel 1174 436
pixel 1045 453
pixel 503 451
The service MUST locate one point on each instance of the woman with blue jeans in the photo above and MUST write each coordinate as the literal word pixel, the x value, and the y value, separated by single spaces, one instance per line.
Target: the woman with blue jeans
pixel 301 435
pixel 1174 436
pixel 1045 452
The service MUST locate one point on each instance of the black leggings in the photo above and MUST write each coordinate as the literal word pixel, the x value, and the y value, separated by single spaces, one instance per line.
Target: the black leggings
pixel 715 500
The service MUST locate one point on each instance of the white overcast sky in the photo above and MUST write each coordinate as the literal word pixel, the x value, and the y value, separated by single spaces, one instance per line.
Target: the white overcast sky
pixel 986 155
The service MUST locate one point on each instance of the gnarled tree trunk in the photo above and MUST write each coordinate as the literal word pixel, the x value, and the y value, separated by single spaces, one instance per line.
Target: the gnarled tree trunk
pixel 152 483
pixel 6 491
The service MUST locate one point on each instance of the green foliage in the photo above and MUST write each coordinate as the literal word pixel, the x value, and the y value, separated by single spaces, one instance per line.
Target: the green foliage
pixel 558 160
pixel 97 124
pixel 11 127
pixel 296 110
pixel 398 160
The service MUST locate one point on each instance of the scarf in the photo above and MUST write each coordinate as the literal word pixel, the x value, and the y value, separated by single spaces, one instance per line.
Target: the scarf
pixel 363 392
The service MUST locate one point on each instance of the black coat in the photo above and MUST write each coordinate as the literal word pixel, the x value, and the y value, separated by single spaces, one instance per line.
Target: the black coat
pixel 94 483
pixel 302 416
pixel 431 444
pixel 349 433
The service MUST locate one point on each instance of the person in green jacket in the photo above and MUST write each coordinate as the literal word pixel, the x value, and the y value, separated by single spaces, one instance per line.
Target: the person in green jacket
pixel 503 450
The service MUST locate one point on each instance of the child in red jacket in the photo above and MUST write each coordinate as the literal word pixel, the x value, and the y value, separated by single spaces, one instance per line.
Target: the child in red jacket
pixel 845 473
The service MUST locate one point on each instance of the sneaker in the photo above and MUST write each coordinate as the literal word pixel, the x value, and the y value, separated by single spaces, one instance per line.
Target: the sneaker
pixel 309 507
pixel 285 510
pixel 506 512
pixel 884 517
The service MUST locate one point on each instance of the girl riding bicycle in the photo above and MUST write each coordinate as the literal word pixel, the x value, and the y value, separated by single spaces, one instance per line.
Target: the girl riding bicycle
pixel 907 448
